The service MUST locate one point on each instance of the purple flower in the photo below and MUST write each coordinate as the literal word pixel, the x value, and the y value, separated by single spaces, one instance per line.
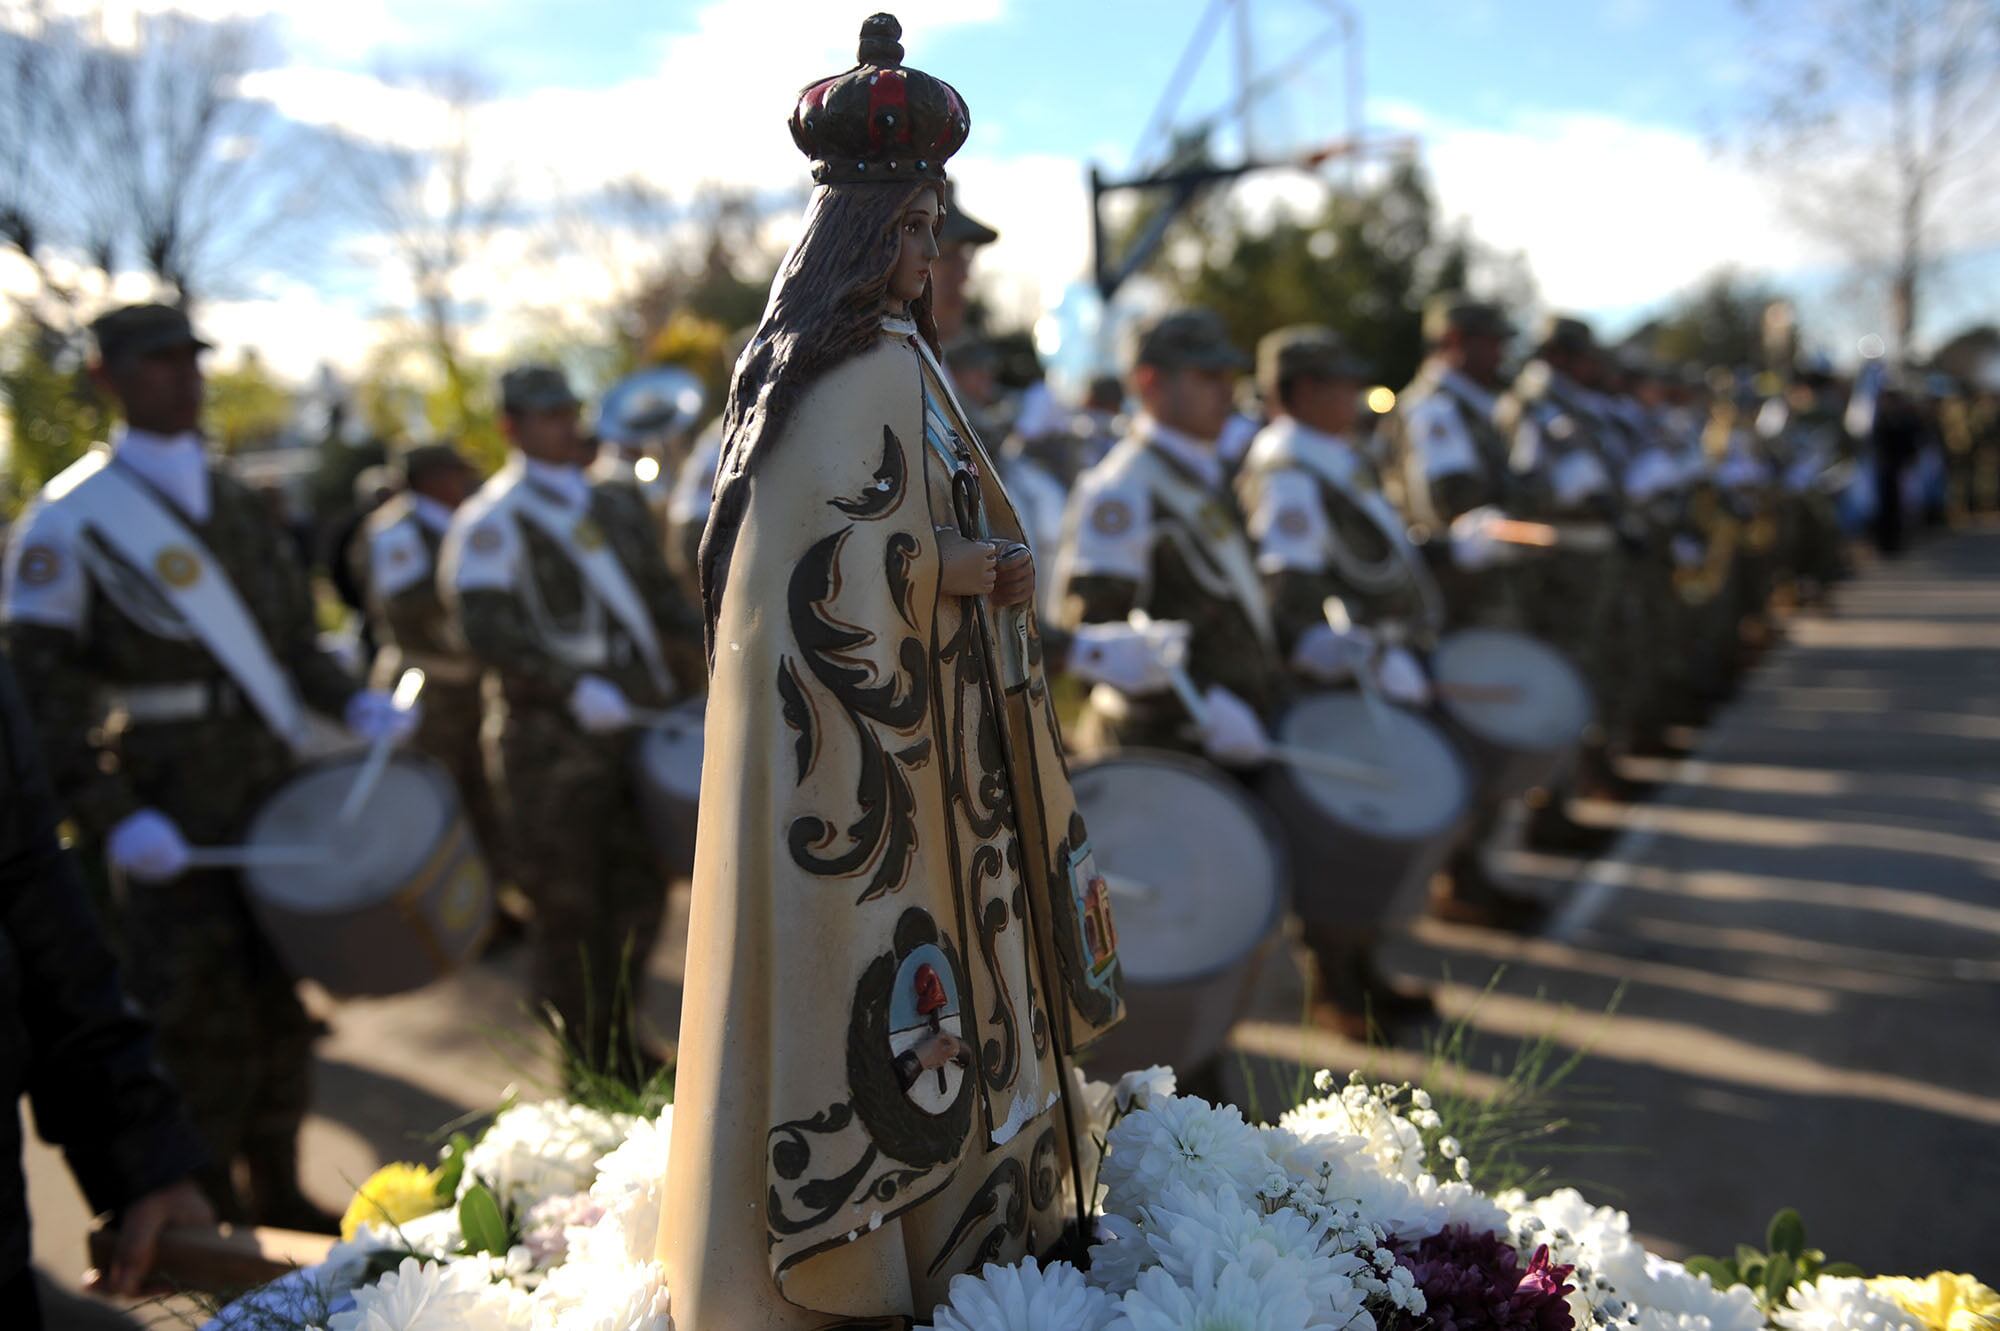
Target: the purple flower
pixel 1472 1281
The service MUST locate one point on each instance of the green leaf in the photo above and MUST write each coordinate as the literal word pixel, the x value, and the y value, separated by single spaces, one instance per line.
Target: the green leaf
pixel 451 1166
pixel 479 1218
pixel 1777 1279
pixel 1720 1272
pixel 1787 1233
pixel 1748 1257
pixel 1842 1270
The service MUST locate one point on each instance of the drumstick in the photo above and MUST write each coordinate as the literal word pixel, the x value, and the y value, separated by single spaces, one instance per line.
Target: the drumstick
pixel 1341 769
pixel 407 689
pixel 256 857
pixel 1513 531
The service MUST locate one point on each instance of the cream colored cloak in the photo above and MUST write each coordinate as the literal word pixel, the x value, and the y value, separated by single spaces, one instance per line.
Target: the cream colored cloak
pixel 888 847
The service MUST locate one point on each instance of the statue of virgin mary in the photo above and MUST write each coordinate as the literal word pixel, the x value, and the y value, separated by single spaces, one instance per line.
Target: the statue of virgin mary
pixel 898 938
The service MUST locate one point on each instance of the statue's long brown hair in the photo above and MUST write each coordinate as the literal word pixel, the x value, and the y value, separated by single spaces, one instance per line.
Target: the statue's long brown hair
pixel 826 306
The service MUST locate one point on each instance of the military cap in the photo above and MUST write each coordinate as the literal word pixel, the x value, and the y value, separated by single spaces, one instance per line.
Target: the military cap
pixel 1450 310
pixel 960 227
pixel 141 330
pixel 1193 339
pixel 1563 332
pixel 1305 351
pixel 427 460
pixel 535 387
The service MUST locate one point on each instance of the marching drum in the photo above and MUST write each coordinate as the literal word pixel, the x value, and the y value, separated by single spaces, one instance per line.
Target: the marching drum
pixel 1516 705
pixel 1197 878
pixel 1359 847
pixel 387 902
pixel 669 758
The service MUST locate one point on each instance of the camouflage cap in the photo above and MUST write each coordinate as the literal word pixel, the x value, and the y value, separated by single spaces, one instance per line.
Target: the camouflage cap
pixel 141 330
pixel 1308 351
pixel 1192 339
pixel 1454 310
pixel 960 227
pixel 427 460
pixel 1565 333
pixel 535 387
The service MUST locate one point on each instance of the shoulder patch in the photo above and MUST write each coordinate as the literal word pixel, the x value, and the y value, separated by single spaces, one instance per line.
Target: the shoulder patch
pixel 1109 531
pixel 397 559
pixel 1440 438
pixel 480 551
pixel 43 582
pixel 1288 522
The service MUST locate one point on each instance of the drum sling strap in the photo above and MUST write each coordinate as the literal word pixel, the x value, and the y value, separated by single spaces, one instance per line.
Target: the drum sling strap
pixel 584 543
pixel 137 524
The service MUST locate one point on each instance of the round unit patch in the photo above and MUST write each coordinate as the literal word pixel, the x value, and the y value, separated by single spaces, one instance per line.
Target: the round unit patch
pixel 40 565
pixel 1112 517
pixel 484 539
pixel 177 567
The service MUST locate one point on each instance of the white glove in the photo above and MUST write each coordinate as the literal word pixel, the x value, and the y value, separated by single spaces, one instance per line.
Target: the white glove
pixel 1327 655
pixel 1688 551
pixel 148 847
pixel 373 715
pixel 599 706
pixel 1133 660
pixel 1474 547
pixel 1230 730
pixel 1401 679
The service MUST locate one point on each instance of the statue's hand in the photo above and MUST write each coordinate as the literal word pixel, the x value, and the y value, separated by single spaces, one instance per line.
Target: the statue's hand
pixel 1014 578
pixel 969 567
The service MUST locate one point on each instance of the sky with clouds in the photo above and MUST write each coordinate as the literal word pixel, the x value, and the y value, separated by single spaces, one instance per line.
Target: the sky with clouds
pixel 1579 133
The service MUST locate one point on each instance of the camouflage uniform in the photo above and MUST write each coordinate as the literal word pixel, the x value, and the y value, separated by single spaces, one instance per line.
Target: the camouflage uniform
pixel 1125 549
pixel 84 629
pixel 412 628
pixel 570 798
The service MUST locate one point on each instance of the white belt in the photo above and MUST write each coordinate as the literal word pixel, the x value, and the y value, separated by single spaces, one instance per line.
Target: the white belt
pixel 154 703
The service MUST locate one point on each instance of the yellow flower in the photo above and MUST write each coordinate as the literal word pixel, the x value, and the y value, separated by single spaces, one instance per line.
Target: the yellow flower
pixel 1943 1301
pixel 392 1194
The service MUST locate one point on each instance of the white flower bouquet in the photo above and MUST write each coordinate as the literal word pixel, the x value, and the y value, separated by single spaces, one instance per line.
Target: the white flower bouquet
pixel 1352 1213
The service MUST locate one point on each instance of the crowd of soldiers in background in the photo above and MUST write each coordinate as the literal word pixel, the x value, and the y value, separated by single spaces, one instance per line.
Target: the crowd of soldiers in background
pixel 1199 504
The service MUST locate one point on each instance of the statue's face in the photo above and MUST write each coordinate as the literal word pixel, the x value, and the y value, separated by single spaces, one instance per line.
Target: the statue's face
pixel 917 230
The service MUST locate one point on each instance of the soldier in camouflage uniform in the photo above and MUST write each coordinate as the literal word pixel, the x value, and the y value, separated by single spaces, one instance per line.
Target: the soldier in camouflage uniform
pixel 561 591
pixel 406 612
pixel 1155 528
pixel 161 734
pixel 1324 529
pixel 1572 457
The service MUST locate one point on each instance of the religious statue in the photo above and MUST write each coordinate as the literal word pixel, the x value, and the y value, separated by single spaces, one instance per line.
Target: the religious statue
pixel 899 939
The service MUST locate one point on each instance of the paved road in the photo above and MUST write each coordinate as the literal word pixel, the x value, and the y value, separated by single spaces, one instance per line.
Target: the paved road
pixel 1805 923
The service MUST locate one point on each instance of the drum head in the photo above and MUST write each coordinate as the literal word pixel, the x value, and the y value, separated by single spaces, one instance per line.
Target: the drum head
pixel 1425 789
pixel 369 859
pixel 1196 872
pixel 672 749
pixel 1520 693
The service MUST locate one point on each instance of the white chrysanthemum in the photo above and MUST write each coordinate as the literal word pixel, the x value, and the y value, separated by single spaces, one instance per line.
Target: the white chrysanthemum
pixel 1234 1300
pixel 630 1183
pixel 1194 1236
pixel 537 1151
pixel 1182 1140
pixel 427 1296
pixel 1838 1303
pixel 600 1296
pixel 1139 1090
pixel 1120 1253
pixel 1673 1298
pixel 1610 1274
pixel 546 1226
pixel 1028 1297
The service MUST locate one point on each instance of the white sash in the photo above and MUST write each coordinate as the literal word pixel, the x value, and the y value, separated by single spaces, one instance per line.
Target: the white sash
pixel 598 563
pixel 133 521
pixel 1234 558
pixel 1335 467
